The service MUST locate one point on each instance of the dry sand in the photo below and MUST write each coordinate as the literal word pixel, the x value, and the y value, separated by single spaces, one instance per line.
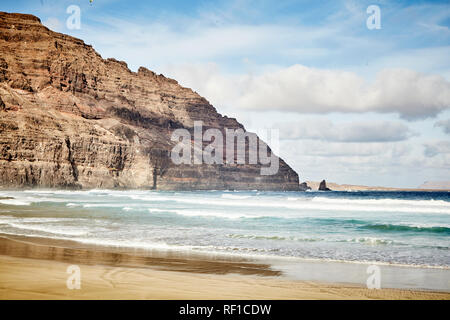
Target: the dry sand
pixel 117 275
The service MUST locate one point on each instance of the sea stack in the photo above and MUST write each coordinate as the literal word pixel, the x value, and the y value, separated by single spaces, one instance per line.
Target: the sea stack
pixel 69 118
pixel 323 186
pixel 304 186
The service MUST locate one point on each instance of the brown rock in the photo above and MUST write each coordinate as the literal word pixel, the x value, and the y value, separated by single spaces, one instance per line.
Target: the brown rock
pixel 2 105
pixel 323 186
pixel 304 187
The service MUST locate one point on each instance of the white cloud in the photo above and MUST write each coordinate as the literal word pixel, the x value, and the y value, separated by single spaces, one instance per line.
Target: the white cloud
pixel 363 131
pixel 357 153
pixel 53 24
pixel 301 89
pixel 437 148
pixel 307 90
pixel 445 124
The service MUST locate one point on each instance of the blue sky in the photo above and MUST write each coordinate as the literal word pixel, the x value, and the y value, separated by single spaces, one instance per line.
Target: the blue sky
pixel 353 105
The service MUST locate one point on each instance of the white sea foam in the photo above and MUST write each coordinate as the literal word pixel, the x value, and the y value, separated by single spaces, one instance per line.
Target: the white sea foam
pixel 61 230
pixel 15 202
pixel 234 196
pixel 331 225
pixel 132 244
pixel 371 241
pixel 50 220
pixel 427 203
pixel 20 200
pixel 220 214
pixel 272 237
pixel 422 225
pixel 203 213
pixel 103 205
pixel 156 210
pixel 318 202
pixel 71 204
pixel 381 205
pixel 154 197
pixel 300 205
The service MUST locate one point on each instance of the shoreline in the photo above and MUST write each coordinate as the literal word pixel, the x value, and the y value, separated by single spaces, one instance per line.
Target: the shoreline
pixel 336 186
pixel 181 251
pixel 75 252
pixel 34 269
pixel 343 187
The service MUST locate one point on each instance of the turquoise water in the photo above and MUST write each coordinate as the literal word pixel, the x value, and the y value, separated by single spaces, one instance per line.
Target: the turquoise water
pixel 411 228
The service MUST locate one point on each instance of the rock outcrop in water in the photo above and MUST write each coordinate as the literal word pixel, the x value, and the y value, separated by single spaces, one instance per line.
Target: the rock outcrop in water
pixel 69 118
pixel 323 186
pixel 304 186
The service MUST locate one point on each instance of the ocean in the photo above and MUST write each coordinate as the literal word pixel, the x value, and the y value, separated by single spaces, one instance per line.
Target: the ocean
pixel 395 228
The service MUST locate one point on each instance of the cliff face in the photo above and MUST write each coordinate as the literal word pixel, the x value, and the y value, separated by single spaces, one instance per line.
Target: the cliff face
pixel 69 118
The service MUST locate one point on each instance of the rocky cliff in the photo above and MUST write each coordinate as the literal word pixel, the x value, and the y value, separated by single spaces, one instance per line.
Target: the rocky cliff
pixel 69 118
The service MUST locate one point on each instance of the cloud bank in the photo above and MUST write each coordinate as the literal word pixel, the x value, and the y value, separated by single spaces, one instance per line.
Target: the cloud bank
pixel 435 148
pixel 444 124
pixel 325 130
pixel 306 90
pixel 410 94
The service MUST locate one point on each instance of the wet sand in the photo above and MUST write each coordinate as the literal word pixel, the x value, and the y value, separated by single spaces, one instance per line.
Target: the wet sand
pixel 32 268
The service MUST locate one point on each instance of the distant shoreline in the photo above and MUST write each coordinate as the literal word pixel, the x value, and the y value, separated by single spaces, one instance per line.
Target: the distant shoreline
pixel 314 185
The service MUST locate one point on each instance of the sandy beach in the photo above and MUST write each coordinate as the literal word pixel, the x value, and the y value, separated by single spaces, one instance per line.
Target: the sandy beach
pixel 36 270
